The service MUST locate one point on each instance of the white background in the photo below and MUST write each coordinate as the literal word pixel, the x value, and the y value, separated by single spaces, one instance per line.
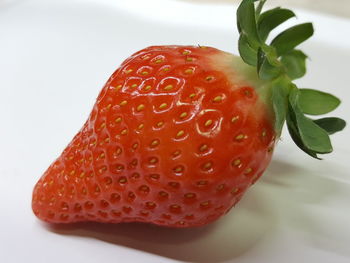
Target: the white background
pixel 54 58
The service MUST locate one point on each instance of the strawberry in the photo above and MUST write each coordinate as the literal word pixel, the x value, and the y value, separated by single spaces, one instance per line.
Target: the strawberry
pixel 179 133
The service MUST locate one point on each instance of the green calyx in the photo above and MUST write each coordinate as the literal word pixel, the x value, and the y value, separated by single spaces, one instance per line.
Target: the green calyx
pixel 279 63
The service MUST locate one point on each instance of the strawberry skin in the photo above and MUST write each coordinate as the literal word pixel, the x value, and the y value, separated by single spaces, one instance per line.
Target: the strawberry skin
pixel 176 136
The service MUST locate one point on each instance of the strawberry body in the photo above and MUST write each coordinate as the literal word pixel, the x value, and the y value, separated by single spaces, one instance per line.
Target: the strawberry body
pixel 176 136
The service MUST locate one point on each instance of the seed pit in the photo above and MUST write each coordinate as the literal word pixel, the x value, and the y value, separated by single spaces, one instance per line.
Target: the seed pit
pixel 118 87
pixel 209 78
pixel 118 120
pixel 203 148
pixel 135 176
pixel 176 153
pixel 116 213
pixel 64 217
pixel 108 180
pixel 133 163
pixel 154 143
pixel 144 71
pixel 103 214
pixel 189 71
pixel 50 214
pixel 234 119
pixel 160 124
pixel 154 177
pixel 248 171
pixel 64 206
pixel 122 180
pixel 163 106
pixel 234 190
pixel 174 185
pixel 202 183
pixel 190 196
pixel 168 87
pixel 134 146
pixel 241 137
pixel 150 205
pixel 104 203
pixel 144 189
pixel 140 107
pixel 83 191
pixel 166 216
pixel 123 103
pixel 102 169
pixel 153 160
pixel 179 169
pixel 114 198
pixel 237 163
pixel 88 205
pixel 207 166
pixel 163 194
pixel 180 134
pixel 218 99
pixel 183 115
pixel 205 205
pixel 248 92
pixel 117 152
pixel 131 196
pixel 220 187
pixel 124 132
pixel 208 123
pixel 119 168
pixel 147 88
pixel 189 217
pixel 127 209
pixel 97 190
pixel 175 208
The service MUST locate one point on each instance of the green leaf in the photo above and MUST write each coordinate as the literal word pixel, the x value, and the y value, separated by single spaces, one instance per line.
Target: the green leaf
pixel 294 63
pixel 268 68
pixel 316 102
pixel 248 54
pixel 279 94
pixel 246 22
pixel 271 19
pixel 292 37
pixel 313 137
pixel 331 125
pixel 294 133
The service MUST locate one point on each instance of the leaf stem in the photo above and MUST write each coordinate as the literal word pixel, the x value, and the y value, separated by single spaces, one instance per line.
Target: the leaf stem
pixel 259 8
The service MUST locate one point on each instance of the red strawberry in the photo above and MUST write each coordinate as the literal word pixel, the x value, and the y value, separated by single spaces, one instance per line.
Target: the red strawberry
pixel 176 136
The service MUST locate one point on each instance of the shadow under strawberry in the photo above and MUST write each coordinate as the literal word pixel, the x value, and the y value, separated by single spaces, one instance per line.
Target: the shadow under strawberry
pixel 223 240
pixel 255 222
pixel 228 238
